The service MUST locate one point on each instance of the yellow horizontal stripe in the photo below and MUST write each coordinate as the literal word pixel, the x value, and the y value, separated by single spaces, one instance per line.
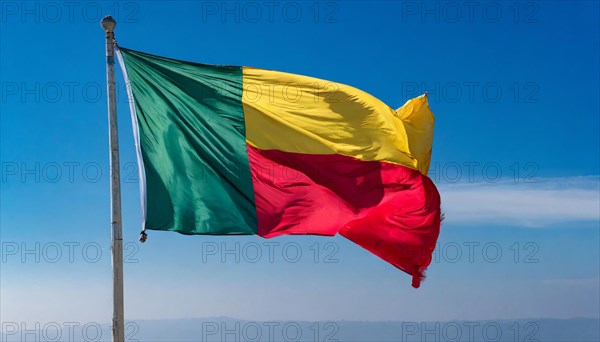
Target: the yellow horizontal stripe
pixel 301 114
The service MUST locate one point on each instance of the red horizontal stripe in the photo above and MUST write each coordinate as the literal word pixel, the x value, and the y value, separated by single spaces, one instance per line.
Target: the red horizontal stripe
pixel 389 209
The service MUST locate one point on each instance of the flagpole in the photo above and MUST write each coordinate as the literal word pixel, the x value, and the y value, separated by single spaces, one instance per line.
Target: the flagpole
pixel 118 321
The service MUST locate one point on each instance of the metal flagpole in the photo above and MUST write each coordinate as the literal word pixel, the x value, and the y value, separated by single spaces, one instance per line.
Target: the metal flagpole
pixel 118 321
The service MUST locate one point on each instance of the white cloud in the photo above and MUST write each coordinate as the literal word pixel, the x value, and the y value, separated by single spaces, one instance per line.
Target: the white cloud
pixel 549 201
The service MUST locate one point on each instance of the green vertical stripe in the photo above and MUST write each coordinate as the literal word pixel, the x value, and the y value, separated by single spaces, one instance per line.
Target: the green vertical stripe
pixel 193 144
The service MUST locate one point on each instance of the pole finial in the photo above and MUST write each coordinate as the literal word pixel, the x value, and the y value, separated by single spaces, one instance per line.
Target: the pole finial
pixel 108 23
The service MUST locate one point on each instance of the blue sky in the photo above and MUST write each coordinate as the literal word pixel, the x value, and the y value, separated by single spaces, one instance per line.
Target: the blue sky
pixel 514 87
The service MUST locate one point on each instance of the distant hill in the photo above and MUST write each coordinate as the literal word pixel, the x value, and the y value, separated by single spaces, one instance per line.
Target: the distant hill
pixel 228 329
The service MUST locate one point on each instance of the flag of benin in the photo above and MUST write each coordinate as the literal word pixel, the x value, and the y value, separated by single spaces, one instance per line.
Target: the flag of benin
pixel 226 150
